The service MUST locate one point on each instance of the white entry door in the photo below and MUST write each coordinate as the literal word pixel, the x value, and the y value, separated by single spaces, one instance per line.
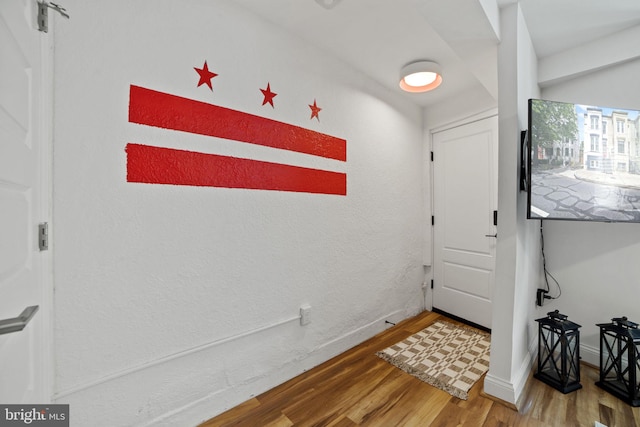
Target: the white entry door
pixel 465 190
pixel 24 183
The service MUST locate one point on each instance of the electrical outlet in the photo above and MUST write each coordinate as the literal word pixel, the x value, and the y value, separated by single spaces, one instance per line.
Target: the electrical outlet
pixel 541 295
pixel 305 313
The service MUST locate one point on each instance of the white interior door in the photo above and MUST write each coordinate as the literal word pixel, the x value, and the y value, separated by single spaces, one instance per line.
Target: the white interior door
pixel 24 184
pixel 465 198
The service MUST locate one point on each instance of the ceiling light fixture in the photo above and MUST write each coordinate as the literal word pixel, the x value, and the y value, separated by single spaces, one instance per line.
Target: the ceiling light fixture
pixel 420 76
pixel 328 4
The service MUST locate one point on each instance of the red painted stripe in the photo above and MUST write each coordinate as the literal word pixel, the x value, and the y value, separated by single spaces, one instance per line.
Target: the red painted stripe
pixel 158 165
pixel 159 109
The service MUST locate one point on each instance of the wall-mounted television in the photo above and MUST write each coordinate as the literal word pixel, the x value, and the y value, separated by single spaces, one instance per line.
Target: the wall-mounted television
pixel 582 162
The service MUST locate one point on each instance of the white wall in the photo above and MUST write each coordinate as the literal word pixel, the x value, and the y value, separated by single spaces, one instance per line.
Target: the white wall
pixel 174 303
pixel 595 263
pixel 517 254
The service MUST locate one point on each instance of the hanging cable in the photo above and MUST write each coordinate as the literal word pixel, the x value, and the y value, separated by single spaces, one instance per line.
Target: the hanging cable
pixel 544 268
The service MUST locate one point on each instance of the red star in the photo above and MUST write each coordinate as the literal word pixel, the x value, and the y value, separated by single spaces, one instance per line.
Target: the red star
pixel 268 95
pixel 205 75
pixel 315 110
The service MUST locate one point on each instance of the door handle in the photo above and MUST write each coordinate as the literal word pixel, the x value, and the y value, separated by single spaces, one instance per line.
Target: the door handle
pixel 491 235
pixel 17 324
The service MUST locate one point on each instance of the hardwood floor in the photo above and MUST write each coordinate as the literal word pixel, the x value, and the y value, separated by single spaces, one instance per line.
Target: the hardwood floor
pixel 357 388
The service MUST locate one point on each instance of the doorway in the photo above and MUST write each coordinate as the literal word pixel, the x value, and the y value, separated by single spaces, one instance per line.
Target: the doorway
pixel 25 165
pixel 465 189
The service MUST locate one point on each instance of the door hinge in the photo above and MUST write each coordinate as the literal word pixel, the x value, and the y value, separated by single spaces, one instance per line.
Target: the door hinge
pixel 431 283
pixel 432 156
pixel 433 220
pixel 43 236
pixel 495 217
pixel 43 14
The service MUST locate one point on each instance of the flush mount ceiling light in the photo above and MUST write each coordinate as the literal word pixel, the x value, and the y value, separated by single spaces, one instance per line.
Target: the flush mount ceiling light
pixel 420 76
pixel 328 4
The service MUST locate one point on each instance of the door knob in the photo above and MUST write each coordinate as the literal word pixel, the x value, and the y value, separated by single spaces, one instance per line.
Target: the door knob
pixel 17 324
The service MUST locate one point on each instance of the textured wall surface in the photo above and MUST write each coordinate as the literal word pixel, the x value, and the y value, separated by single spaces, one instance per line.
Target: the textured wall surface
pixel 175 302
pixel 595 263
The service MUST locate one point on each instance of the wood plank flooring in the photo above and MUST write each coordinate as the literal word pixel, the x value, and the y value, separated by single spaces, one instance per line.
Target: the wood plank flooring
pixel 357 388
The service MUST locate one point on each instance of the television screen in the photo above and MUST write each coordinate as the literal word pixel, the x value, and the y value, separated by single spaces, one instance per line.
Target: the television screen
pixel 583 162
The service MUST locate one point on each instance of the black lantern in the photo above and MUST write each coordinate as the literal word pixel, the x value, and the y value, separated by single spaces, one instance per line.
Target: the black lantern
pixel 558 352
pixel 620 359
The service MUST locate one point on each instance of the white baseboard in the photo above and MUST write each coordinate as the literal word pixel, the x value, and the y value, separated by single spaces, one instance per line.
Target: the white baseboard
pixel 510 391
pixel 213 404
pixel 497 387
pixel 523 373
pixel 590 355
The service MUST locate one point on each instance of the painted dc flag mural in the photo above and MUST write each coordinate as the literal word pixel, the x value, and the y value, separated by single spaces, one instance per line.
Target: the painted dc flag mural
pixel 163 165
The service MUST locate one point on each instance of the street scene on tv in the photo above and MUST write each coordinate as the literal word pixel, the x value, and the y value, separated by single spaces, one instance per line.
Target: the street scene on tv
pixel 584 162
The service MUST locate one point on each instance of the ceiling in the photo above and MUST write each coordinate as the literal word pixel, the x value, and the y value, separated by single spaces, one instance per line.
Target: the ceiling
pixel 378 37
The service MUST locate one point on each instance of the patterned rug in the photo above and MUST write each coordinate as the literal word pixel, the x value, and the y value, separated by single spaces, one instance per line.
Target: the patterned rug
pixel 444 355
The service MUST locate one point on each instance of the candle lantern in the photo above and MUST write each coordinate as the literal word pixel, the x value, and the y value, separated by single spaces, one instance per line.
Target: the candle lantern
pixel 558 352
pixel 620 359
